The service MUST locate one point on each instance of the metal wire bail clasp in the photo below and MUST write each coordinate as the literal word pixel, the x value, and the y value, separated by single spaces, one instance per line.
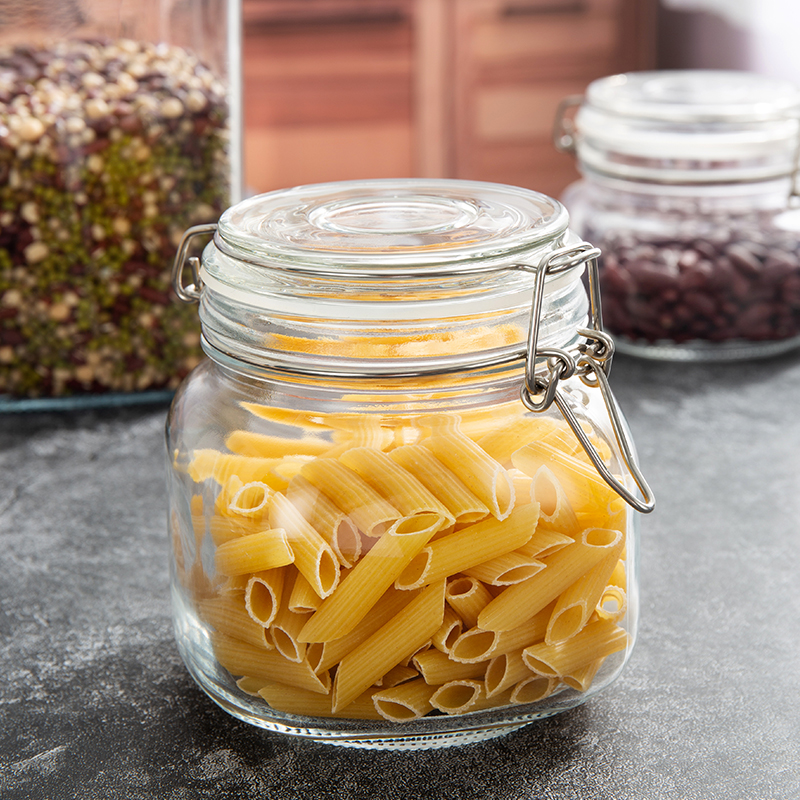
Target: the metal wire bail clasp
pixel 190 292
pixel 591 364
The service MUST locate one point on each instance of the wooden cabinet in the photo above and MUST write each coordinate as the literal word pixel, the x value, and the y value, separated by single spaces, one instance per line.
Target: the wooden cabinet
pixel 340 89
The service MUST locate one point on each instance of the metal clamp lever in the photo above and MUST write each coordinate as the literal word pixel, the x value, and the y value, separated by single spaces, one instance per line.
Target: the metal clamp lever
pixel 592 367
pixel 189 293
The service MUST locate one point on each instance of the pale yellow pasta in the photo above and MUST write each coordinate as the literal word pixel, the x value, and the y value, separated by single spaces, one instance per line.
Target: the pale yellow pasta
pixel 310 420
pixel 523 486
pixel 477 644
pixel 359 431
pixel 438 668
pixel 227 614
pixel 480 473
pixel 371 513
pixel 502 442
pixel 397 485
pixel 228 489
pixel 313 556
pixel 463 696
pixel 252 686
pixel 327 519
pixel 618 577
pixel 505 671
pixel 255 553
pixel 577 603
pixel 199 522
pixel 389 645
pixel 584 487
pixel 582 678
pixel 327 654
pixel 556 509
pixel 613 604
pixel 301 702
pixel 450 631
pixel 469 547
pixel 506 569
pixel 220 467
pixel 303 596
pixel 533 689
pixel 263 594
pixel 545 542
pixel 405 702
pixel 564 438
pixel 284 630
pixel 598 639
pixel 248 443
pixel 468 597
pixel 402 673
pixel 518 602
pixel 224 528
pixel 243 659
pixel 462 504
pixel 251 501
pixel 370 578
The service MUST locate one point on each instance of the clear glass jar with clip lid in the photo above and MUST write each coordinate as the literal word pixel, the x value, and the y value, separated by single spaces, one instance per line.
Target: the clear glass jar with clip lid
pixel 400 487
pixel 688 188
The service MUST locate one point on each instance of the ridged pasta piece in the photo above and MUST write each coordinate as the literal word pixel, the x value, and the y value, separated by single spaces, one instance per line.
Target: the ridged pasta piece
pixel 462 504
pixel 613 604
pixel 255 553
pixel 251 501
pixel 477 645
pixel 227 614
pixel 545 542
pixel 556 509
pixel 220 467
pixel 327 519
pixel 370 578
pixel 389 645
pixel 518 602
pixel 598 639
pixel 451 629
pixel 480 473
pixel 402 673
pixel 523 486
pixel 313 556
pixel 533 689
pixel 259 445
pixel 225 528
pixel 358 431
pixel 371 513
pixel 199 522
pixel 505 672
pixel 243 659
pixel 463 696
pixel 468 597
pixel 250 686
pixel 506 569
pixel 397 485
pixel 502 442
pixel 405 702
pixel 438 668
pixel 304 597
pixel 309 420
pixel 469 547
pixel 284 630
pixel 304 703
pixel 578 602
pixel 263 593
pixel 583 677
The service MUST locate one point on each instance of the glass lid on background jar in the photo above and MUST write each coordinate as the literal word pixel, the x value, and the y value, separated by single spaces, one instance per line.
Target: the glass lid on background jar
pixel 685 126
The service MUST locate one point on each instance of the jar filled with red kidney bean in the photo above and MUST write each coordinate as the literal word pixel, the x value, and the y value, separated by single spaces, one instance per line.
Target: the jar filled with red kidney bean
pixel 688 187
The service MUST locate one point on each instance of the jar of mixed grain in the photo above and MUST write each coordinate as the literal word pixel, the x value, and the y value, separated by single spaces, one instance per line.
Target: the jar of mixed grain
pixel 119 127
pixel 688 188
pixel 402 498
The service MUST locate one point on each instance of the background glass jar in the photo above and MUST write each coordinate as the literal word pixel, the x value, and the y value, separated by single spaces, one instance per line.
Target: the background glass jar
pixel 377 541
pixel 120 125
pixel 688 182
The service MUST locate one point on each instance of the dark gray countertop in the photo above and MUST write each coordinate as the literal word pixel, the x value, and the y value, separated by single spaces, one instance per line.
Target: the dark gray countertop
pixel 95 702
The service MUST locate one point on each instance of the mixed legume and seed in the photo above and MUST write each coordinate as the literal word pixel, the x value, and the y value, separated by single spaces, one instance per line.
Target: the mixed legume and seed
pixel 108 151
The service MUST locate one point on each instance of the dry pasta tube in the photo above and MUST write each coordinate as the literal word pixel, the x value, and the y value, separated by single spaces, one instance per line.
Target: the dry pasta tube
pixel 227 614
pixel 613 604
pixel 462 504
pixel 598 639
pixel 397 675
pixel 516 603
pixel 224 528
pixel 479 472
pixel 578 602
pixel 504 441
pixel 372 514
pixel 251 501
pixel 241 659
pixel 544 542
pixel 523 486
pixel 533 689
pixel 369 579
pixel 263 593
pixel 469 547
pixel 438 668
pixel 505 671
pixel 396 484
pixel 461 697
pixel 250 686
pixel 309 420
pixel 556 509
pixel 304 597
pixel 387 647
pixel 198 519
pixel 618 577
pixel 259 445
pixel 327 519
pixel 450 631
pixel 402 703
pixel 254 553
pixel 477 645
pixel 220 467
pixel 313 556
pixel 583 677
pixel 506 569
pixel 283 634
pixel 290 700
pixel 468 597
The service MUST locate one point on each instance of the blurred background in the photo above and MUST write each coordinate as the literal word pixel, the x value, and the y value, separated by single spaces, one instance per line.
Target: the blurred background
pixel 341 89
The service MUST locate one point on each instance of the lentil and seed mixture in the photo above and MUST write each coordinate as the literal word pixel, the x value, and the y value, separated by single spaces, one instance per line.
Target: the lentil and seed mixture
pixel 109 150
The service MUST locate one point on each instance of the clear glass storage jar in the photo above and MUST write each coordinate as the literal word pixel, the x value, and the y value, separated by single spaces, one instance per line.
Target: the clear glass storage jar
pixel 384 534
pixel 688 181
pixel 120 126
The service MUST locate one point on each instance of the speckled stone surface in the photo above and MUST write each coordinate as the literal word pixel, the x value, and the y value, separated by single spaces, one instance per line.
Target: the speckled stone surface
pixel 95 702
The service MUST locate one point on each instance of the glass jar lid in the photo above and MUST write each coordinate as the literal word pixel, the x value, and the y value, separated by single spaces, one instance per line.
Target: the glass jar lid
pixel 389 227
pixel 689 125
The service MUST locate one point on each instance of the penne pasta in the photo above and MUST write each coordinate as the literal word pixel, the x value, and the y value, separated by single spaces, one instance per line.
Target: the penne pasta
pixel 545 542
pixel 227 614
pixel 220 467
pixel 518 602
pixel 468 597
pixel 506 569
pixel 262 595
pixel 533 689
pixel 502 442
pixel 408 701
pixel 613 604
pixel 459 697
pixel 505 671
pixel 304 597
pixel 402 673
pixel 438 668
pixel 259 445
pixel 581 679
pixel 450 631
pixel 469 547
pixel 284 630
pixel 556 509
pixel 292 700
pixel 254 553
pixel 251 501
pixel 389 645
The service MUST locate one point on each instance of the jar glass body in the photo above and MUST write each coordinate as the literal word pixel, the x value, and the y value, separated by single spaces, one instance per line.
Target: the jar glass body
pixel 119 126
